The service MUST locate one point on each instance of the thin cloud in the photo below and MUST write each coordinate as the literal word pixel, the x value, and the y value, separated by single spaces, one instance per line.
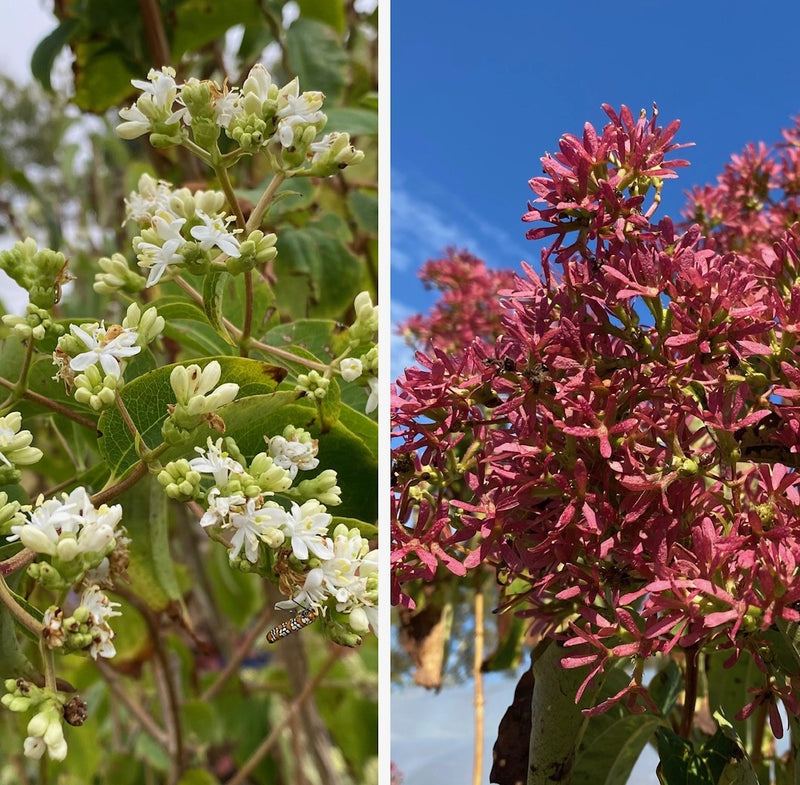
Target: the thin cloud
pixel 401 355
pixel 427 219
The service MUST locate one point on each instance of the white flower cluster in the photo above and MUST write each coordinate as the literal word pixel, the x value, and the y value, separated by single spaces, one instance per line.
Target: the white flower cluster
pixel 163 104
pixel 340 568
pixel 86 628
pixel 349 575
pixel 70 527
pixel 169 220
pixel 343 568
pixel 15 449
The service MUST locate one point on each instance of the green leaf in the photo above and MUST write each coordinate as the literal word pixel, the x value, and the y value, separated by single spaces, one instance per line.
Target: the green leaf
pixel 727 687
pixel 316 55
pixel 199 22
pixel 553 744
pixel 321 339
pixel 213 292
pixel 666 686
pixel 317 275
pixel 151 568
pixel 331 12
pixel 13 662
pixel 148 396
pixel 102 76
pixel 201 338
pixel 679 765
pixel 48 49
pixel 612 754
pixel 509 647
pixel 364 206
pixel 198 777
pixel 340 448
pixel 726 756
pixel 353 120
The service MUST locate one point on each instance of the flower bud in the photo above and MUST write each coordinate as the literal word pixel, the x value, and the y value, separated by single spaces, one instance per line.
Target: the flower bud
pixel 41 273
pixel 313 383
pixel 358 620
pixel 350 368
pixel 115 276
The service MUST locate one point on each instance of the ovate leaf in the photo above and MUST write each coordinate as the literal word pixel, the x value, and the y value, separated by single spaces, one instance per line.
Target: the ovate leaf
pixel 148 397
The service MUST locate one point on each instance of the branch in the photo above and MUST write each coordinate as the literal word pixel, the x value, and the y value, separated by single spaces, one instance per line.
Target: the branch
pixel 294 708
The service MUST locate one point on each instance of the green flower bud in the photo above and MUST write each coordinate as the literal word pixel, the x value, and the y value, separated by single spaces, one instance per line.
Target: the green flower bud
pixel 257 250
pixel 270 477
pixel 95 390
pixel 323 487
pixel 47 575
pixel 148 325
pixel 196 96
pixel 41 273
pixel 249 131
pixel 180 481
pixel 205 132
pixel 366 323
pixel 10 514
pixel 116 276
pixel 332 153
pixel 313 384
pixel 15 446
pixel 36 323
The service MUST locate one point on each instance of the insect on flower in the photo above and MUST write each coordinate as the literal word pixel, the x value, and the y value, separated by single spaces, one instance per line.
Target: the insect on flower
pixel 297 622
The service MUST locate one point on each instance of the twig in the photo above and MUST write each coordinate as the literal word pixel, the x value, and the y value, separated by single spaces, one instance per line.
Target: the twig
pixel 106 494
pixel 50 404
pixel 157 45
pixel 20 615
pixel 242 650
pixel 479 700
pixel 274 735
pixel 17 562
pixel 148 724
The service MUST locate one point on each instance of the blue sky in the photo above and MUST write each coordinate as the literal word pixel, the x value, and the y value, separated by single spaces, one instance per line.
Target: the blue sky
pixel 480 91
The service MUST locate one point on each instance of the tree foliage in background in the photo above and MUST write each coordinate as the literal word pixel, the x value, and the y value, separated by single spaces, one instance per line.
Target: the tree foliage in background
pixel 616 445
pixel 192 693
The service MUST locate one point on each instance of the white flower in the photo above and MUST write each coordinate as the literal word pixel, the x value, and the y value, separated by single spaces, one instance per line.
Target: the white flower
pixel 254 526
pixel 372 400
pixel 161 88
pixel 310 596
pixel 293 455
pixel 100 608
pixel 351 368
pixel 154 106
pixel 15 446
pixel 227 107
pixel 136 123
pixel 341 571
pixel 157 257
pixel 307 527
pixel 297 110
pixel 256 90
pixel 45 732
pixel 215 232
pixel 104 346
pixel 216 462
pixel 220 507
pixel 151 197
pixel 69 526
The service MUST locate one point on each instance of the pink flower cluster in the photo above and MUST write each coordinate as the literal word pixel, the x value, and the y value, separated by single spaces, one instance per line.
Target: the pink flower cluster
pixel 624 443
